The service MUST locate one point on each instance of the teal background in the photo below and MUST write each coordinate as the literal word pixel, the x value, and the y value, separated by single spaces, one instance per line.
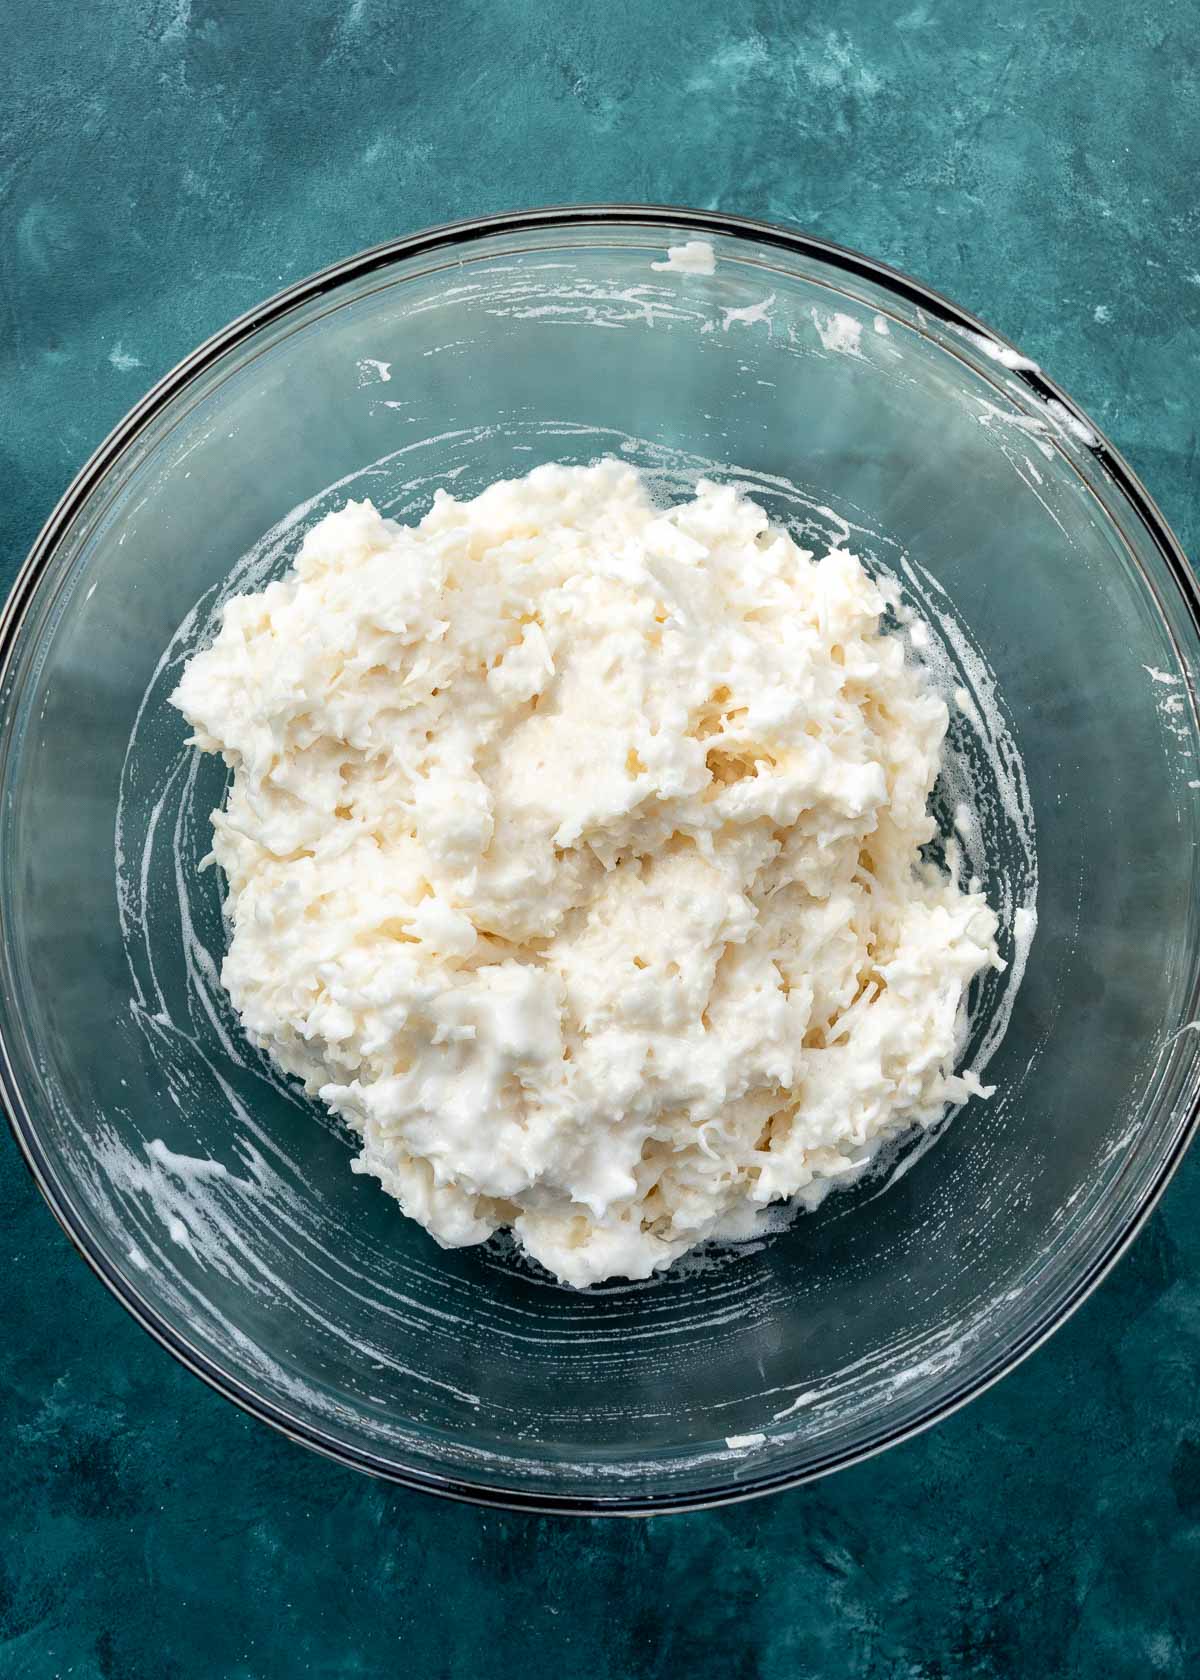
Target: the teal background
pixel 166 163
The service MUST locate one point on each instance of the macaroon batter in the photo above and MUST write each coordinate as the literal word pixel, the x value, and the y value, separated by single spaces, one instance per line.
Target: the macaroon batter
pixel 573 856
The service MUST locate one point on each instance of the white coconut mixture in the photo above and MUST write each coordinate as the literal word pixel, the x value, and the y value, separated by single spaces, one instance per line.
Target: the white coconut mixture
pixel 573 857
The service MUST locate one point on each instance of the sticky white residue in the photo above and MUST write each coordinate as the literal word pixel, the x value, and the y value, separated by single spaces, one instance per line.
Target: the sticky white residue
pixel 1188 1026
pixel 838 332
pixel 1171 703
pixel 1071 423
pixel 695 257
pixel 450 344
pixel 997 352
pixel 1052 420
pixel 990 416
pixel 578 301
pixel 371 372
pixel 233 1226
pixel 740 1443
pixel 188 1167
pixel 881 326
pixel 123 360
pixel 798 1404
pixel 1024 927
pixel 750 315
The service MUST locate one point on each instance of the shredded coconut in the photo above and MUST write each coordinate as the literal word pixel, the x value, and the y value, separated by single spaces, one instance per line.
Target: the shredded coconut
pixel 573 856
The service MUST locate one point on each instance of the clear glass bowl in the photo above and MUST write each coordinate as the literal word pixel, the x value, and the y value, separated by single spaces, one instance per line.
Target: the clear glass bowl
pixel 220 1209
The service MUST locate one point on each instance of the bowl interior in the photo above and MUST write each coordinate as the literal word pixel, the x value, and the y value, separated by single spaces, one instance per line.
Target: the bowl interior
pixel 220 1203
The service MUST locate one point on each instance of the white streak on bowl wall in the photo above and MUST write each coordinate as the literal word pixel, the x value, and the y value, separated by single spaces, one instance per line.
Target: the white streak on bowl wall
pixel 750 315
pixel 997 352
pixel 191 1168
pixel 695 257
pixel 839 332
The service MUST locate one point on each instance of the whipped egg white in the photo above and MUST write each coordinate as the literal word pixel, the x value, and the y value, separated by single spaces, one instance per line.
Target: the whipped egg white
pixel 573 854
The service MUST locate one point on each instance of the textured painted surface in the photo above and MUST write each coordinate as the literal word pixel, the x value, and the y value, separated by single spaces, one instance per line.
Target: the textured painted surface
pixel 163 165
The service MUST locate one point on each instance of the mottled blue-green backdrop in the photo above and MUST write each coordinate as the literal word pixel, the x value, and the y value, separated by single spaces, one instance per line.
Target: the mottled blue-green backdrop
pixel 166 163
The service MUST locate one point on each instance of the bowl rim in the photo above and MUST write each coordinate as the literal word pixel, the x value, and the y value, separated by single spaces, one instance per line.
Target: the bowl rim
pixel 21 595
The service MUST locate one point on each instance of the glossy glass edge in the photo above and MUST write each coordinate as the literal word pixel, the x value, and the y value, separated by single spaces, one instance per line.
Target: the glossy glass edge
pixel 946 314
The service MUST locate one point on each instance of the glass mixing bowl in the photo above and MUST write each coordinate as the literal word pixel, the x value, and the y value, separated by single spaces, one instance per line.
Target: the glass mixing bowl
pixel 218 1205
